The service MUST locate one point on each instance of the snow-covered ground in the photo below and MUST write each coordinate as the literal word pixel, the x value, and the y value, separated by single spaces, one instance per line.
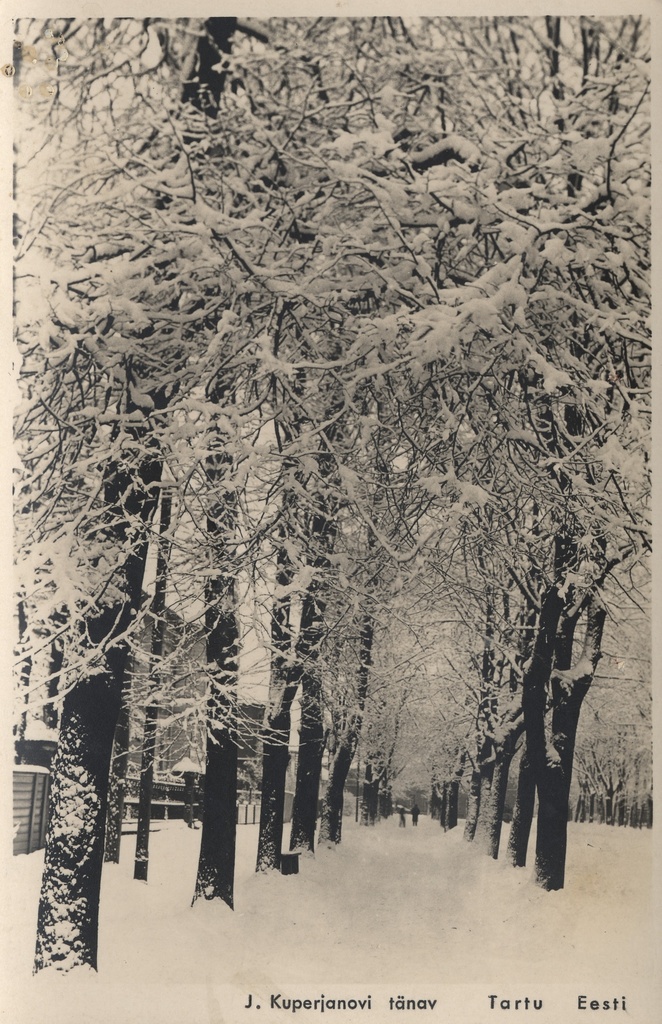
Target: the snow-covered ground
pixel 391 912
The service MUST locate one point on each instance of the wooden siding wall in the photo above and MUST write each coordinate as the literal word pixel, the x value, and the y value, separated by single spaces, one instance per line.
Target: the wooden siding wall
pixel 30 810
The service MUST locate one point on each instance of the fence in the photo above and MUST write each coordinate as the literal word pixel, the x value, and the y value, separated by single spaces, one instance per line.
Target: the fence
pixel 248 814
pixel 170 802
pixel 31 785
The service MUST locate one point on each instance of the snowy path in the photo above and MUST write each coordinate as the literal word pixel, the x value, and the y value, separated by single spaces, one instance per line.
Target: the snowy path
pixel 403 906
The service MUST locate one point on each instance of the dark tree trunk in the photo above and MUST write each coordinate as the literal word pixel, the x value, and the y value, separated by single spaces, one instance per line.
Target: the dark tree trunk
pixel 331 821
pixel 370 801
pixel 215 877
pixel 309 765
pixel 275 759
pixel 473 806
pixel 118 771
pixel 554 782
pixel 323 529
pixel 453 800
pixel 283 686
pixel 205 86
pixel 443 807
pixel 579 809
pixel 435 801
pixel 215 874
pixel 69 905
pixel 311 734
pixel 145 791
pixel 534 705
pixel 141 864
pixel 485 806
pixel 520 830
pixel 495 784
pixel 67 928
pixel 492 803
pixel 385 801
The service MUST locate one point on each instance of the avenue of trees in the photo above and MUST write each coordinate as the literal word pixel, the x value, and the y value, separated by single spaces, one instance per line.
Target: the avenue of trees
pixel 346 321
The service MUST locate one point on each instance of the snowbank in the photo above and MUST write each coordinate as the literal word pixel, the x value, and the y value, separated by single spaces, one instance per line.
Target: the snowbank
pixel 390 911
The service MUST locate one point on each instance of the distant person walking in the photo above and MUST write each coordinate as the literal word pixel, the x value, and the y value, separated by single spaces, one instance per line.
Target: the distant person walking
pixel 415 811
pixel 401 812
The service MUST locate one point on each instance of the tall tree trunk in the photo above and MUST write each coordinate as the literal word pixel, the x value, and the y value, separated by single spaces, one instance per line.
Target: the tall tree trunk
pixel 491 809
pixel 323 529
pixel 215 875
pixel 67 927
pixel 443 808
pixel 332 811
pixel 275 759
pixel 493 799
pixel 520 829
pixel 453 800
pixel 331 822
pixel 385 799
pixel 370 801
pixel 157 617
pixel 435 800
pixel 473 806
pixel 67 930
pixel 568 691
pixel 485 803
pixel 534 706
pixel 145 791
pixel 283 686
pixel 309 765
pixel 117 783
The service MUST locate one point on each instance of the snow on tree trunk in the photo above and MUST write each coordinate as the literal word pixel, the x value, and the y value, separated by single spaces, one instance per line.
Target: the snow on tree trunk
pixel 484 803
pixel 520 829
pixel 330 833
pixel 443 809
pixel 569 687
pixel 385 801
pixel 24 681
pixel 69 903
pixel 215 879
pixel 492 803
pixel 283 684
pixel 215 876
pixel 275 759
pixel 68 916
pixel 323 531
